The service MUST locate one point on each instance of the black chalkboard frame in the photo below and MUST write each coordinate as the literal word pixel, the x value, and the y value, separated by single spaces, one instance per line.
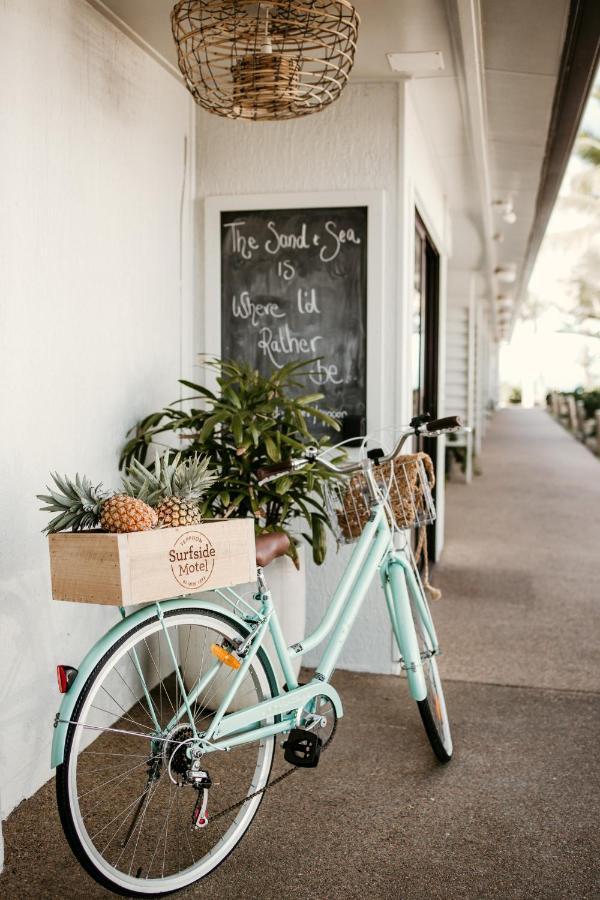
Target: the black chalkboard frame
pixel 211 307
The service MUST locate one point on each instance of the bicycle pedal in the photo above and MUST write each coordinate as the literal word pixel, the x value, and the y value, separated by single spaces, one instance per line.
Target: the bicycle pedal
pixel 302 748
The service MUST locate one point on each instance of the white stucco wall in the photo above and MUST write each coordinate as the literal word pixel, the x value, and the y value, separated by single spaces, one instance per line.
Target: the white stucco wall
pixel 94 314
pixel 368 140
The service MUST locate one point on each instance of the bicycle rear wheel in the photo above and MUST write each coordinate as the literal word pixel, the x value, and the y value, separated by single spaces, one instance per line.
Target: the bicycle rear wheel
pixel 129 807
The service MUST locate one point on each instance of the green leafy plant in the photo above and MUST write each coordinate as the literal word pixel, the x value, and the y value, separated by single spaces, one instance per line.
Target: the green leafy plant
pixel 515 395
pixel 251 421
pixel 591 400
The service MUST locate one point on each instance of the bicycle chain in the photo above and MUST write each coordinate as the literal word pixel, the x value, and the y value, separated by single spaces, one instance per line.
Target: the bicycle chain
pixel 269 784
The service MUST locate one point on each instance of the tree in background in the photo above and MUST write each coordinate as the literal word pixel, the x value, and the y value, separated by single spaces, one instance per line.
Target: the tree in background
pixel 587 146
pixel 570 253
pixel 584 314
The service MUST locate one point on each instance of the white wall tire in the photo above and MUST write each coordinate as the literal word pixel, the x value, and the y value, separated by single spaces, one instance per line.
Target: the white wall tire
pixel 70 779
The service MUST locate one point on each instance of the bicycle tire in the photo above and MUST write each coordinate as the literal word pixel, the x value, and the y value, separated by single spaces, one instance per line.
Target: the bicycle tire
pixel 435 721
pixel 64 800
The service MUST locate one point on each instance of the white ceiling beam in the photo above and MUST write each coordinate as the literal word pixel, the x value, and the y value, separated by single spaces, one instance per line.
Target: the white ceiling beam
pixel 465 25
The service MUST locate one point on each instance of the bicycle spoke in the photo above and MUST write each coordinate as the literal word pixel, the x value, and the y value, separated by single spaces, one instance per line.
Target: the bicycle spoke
pixel 119 814
pixel 127 718
pixel 104 784
pixel 141 825
pixel 138 701
pixel 131 790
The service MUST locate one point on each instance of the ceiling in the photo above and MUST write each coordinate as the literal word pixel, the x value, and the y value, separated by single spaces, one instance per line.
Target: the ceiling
pixel 521 45
pixel 386 25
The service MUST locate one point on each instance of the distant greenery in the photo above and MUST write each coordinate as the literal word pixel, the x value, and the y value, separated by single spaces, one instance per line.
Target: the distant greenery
pixel 588 143
pixel 585 315
pixel 515 396
pixel 590 399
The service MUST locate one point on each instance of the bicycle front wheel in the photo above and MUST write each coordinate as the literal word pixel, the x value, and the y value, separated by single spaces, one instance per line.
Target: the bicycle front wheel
pixel 132 813
pixel 432 709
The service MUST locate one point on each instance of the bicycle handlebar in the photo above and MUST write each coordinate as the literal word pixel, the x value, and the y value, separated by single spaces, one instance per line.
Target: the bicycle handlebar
pixel 267 472
pixel 439 426
pixel 433 428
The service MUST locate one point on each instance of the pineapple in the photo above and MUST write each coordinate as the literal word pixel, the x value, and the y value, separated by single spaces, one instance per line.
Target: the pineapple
pixel 174 488
pixel 81 505
pixel 173 511
pixel 122 514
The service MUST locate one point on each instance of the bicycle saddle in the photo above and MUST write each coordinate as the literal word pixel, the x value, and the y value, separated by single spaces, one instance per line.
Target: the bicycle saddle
pixel 270 546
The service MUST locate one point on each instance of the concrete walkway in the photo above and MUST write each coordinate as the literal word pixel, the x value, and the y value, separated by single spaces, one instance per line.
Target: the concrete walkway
pixel 515 814
pixel 521 565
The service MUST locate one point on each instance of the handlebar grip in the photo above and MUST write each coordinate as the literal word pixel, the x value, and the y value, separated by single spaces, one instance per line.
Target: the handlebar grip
pixel 277 469
pixel 445 424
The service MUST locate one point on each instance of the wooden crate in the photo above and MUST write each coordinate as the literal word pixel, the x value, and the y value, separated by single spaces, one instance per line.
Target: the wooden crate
pixel 122 569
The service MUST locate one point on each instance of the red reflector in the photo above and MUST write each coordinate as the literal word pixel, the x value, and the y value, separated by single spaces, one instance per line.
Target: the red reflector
pixel 63 682
pixel 65 676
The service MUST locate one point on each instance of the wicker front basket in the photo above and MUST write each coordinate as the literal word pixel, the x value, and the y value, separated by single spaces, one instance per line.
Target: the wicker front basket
pixel 405 485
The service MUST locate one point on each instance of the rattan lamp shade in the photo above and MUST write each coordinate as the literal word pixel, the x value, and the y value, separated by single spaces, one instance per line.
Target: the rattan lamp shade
pixel 265 60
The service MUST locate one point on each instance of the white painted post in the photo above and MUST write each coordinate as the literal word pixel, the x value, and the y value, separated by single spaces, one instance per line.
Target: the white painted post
pixel 572 414
pixel 580 414
pixel 469 452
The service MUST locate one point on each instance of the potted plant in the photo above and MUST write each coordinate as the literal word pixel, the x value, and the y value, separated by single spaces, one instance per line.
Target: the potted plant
pixel 248 422
pixel 515 396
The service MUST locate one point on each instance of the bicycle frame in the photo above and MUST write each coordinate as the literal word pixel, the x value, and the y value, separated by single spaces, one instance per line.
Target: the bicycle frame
pixel 373 552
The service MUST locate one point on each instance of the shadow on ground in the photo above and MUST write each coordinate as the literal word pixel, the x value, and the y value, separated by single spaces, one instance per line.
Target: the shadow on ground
pixel 510 816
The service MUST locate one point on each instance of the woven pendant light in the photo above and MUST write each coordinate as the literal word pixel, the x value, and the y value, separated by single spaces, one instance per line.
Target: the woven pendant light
pixel 278 59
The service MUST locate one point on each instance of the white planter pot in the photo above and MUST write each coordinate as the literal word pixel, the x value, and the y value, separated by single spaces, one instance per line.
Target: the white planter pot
pixel 288 590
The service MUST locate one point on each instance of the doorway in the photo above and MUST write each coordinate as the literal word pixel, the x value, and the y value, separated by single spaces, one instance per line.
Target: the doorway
pixel 425 340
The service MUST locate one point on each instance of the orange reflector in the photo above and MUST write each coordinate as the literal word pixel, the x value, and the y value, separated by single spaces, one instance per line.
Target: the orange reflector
pixel 225 656
pixel 438 707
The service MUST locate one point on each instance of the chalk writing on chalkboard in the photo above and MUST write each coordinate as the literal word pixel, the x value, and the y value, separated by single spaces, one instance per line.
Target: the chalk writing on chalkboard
pixel 294 287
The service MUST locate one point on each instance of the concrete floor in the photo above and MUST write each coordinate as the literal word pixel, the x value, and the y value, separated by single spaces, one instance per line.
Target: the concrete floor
pixel 515 814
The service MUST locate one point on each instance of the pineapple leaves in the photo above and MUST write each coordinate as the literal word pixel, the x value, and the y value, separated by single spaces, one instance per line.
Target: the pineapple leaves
pixel 77 503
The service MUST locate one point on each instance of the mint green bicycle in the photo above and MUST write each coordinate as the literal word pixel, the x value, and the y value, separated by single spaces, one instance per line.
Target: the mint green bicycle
pixel 165 738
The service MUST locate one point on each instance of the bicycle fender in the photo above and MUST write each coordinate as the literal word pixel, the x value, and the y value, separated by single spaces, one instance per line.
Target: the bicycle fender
pixel 93 657
pixel 407 638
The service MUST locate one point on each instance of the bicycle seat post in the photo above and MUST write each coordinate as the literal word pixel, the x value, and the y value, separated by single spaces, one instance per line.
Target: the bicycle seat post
pixel 260 580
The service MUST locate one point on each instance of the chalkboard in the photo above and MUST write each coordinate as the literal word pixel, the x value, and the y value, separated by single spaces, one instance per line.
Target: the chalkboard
pixel 294 287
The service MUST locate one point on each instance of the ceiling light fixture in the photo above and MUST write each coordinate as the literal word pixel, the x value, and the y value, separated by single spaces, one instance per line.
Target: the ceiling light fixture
pixel 278 59
pixel 506 210
pixel 506 272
